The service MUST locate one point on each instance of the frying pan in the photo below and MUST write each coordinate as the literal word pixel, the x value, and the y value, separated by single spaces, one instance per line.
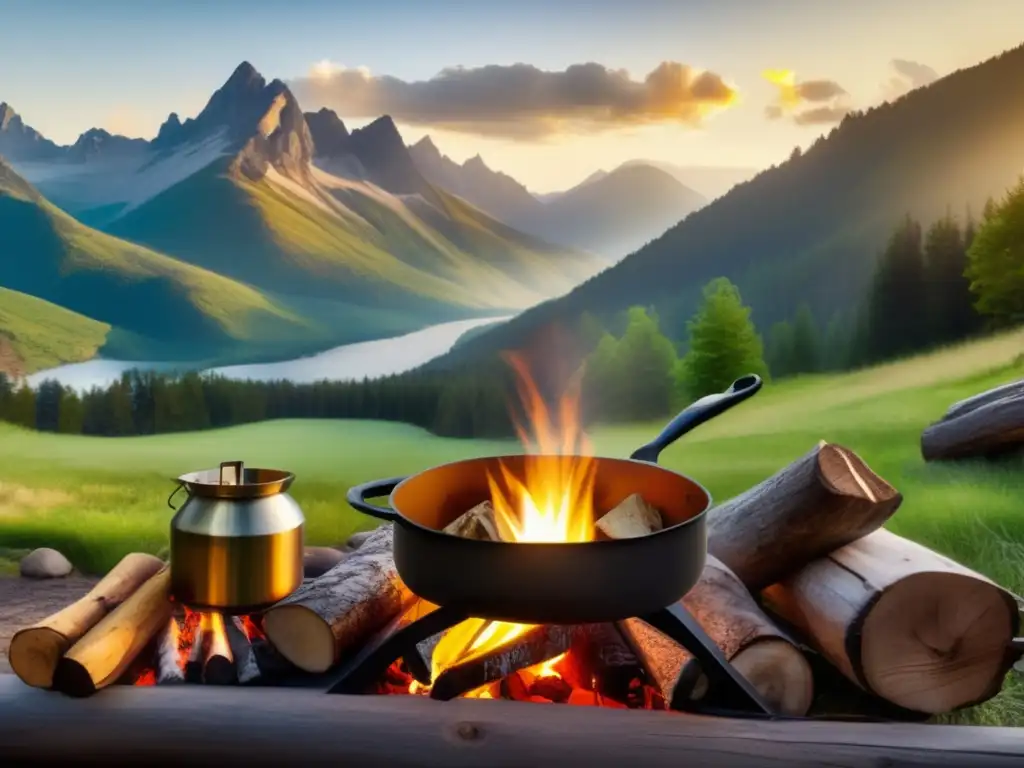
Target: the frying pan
pixel 554 583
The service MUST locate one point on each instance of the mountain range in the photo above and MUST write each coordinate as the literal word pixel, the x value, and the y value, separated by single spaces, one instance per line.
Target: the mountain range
pixel 811 228
pixel 612 214
pixel 252 231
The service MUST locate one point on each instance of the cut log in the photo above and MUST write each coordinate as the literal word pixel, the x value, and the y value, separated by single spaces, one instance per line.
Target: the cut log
pixel 748 639
pixel 106 650
pixel 196 650
pixel 326 617
pixel 903 622
pixel 35 650
pixel 820 502
pixel 218 660
pixel 991 428
pixel 1013 389
pixel 631 518
pixel 477 523
pixel 534 645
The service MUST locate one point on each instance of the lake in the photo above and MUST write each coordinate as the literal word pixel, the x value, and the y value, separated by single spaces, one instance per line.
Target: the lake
pixel 366 359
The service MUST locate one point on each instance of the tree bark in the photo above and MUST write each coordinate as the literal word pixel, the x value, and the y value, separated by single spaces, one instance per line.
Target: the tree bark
pixel 757 649
pixel 325 617
pixel 904 622
pixel 820 502
pixel 988 428
pixel 35 651
pixel 106 650
pixel 959 408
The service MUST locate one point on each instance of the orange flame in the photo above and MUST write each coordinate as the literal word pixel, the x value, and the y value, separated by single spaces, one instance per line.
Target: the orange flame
pixel 552 502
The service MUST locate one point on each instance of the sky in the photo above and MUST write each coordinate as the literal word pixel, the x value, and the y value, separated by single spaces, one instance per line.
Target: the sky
pixel 548 91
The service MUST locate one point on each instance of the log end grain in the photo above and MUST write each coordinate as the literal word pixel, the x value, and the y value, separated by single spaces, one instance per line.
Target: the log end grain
pixel 301 636
pixel 34 653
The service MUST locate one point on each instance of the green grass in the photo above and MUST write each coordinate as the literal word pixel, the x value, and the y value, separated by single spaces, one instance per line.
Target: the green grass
pixel 43 335
pixel 99 498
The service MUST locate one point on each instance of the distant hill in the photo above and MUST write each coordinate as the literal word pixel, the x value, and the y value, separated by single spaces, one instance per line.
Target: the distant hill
pixel 120 295
pixel 811 228
pixel 361 246
pixel 608 213
pixel 708 180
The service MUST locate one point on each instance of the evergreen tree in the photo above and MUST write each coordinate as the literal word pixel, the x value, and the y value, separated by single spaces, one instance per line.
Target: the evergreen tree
pixel 996 260
pixel 951 312
pixel 23 407
pixel 724 344
pixel 836 352
pixel 48 397
pixel 6 395
pixel 72 412
pixel 897 319
pixel 806 341
pixel 602 382
pixel 780 354
pixel 646 361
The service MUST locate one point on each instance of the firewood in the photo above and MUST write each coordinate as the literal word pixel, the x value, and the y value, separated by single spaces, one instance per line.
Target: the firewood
pixel 218 661
pixel 818 503
pixel 748 639
pixel 959 408
pixel 169 668
pixel 986 429
pixel 246 666
pixel 477 523
pixel 196 653
pixel 533 646
pixel 631 518
pixel 601 660
pixel 35 650
pixel 324 618
pixel 106 650
pixel 903 622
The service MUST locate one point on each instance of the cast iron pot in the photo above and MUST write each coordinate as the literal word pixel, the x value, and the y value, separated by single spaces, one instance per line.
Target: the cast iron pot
pixel 548 583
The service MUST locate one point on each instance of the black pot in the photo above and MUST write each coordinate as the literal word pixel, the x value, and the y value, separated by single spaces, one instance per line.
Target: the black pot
pixel 545 583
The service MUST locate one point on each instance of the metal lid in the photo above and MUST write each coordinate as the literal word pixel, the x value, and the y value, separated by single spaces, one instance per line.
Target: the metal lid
pixel 233 480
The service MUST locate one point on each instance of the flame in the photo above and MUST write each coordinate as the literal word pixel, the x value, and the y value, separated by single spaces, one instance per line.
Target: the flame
pixel 551 502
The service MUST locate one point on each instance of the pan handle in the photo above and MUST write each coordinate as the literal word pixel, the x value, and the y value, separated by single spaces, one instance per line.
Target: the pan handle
pixel 697 413
pixel 357 498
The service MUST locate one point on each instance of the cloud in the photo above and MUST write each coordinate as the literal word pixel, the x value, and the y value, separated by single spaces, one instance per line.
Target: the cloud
pixel 807 102
pixel 520 101
pixel 906 76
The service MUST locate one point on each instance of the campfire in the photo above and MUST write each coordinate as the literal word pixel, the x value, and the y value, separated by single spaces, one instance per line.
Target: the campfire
pixel 804 599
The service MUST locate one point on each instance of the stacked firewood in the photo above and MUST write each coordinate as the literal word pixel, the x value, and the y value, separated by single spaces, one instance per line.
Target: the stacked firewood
pixel 987 425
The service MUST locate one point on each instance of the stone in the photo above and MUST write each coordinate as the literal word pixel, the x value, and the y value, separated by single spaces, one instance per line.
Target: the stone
pixel 319 560
pixel 44 563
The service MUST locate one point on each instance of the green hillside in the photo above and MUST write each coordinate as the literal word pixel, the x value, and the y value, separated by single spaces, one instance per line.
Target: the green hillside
pixel 35 334
pixel 326 237
pixel 162 304
pixel 811 229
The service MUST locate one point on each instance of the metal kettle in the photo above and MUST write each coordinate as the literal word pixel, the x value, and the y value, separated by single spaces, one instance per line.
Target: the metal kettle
pixel 237 541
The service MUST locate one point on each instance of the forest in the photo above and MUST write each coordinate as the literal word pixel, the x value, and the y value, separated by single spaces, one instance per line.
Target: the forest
pixel 932 285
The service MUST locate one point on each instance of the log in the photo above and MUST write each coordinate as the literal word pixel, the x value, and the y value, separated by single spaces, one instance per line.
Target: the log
pixel 34 651
pixel 959 408
pixel 218 661
pixel 247 669
pixel 169 668
pixel 903 622
pixel 330 615
pixel 631 518
pixel 535 645
pixel 748 639
pixel 601 660
pixel 196 650
pixel 989 429
pixel 106 650
pixel 175 726
pixel 477 523
pixel 820 502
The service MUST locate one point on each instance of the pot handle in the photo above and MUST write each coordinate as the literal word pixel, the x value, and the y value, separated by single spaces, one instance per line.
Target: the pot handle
pixel 357 498
pixel 174 493
pixel 697 413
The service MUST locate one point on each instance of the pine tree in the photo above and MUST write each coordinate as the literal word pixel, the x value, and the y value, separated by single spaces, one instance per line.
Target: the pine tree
pixel 724 344
pixel 780 353
pixel 951 312
pixel 806 341
pixel 896 313
pixel 602 382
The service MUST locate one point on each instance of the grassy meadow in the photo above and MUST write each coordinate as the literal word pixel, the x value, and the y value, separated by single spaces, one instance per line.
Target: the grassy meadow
pixel 97 498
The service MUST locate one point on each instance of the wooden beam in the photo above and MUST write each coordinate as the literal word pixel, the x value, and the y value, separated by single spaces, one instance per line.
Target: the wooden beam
pixel 204 725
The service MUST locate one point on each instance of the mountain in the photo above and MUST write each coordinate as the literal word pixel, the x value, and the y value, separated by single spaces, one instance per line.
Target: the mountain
pixel 611 214
pixel 710 181
pixel 811 228
pixel 340 230
pixel 22 141
pixel 118 295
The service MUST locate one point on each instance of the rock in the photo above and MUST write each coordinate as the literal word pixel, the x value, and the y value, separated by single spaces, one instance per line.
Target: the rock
pixel 319 560
pixel 355 541
pixel 44 563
